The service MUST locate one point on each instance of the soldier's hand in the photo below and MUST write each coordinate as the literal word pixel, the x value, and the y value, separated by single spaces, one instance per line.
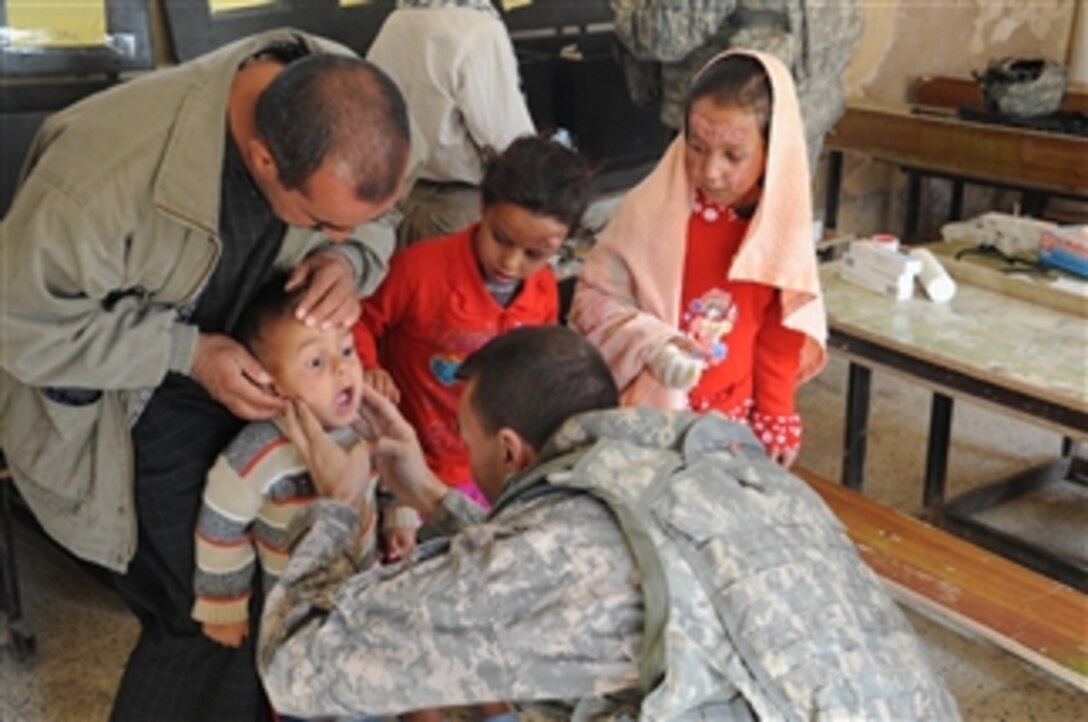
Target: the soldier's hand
pixel 234 378
pixel 337 473
pixel 397 454
pixel 330 299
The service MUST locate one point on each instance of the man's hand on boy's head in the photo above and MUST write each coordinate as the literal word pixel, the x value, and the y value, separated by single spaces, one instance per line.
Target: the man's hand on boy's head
pixel 234 378
pixel 337 473
pixel 330 298
pixel 382 382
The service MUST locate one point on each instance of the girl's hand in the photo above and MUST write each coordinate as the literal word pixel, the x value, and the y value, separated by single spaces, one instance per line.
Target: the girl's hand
pixel 676 367
pixel 784 457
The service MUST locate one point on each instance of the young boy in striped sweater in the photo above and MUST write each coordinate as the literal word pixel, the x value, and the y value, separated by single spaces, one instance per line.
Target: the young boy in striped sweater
pixel 260 481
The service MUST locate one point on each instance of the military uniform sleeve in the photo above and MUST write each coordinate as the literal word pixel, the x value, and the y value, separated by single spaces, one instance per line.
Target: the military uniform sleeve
pixel 537 606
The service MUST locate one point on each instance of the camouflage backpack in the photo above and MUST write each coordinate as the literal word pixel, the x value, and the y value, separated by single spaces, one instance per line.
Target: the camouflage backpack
pixel 1023 88
pixel 757 604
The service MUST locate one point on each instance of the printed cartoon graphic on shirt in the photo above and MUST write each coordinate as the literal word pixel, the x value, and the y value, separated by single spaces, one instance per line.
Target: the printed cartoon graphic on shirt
pixel 454 346
pixel 438 432
pixel 444 368
pixel 709 319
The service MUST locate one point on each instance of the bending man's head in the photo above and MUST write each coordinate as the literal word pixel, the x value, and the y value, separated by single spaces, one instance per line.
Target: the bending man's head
pixel 521 387
pixel 337 134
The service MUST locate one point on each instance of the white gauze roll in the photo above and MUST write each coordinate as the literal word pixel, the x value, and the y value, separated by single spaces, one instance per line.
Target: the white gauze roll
pixel 935 280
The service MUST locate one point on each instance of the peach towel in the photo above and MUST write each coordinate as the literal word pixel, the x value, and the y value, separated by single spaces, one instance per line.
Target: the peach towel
pixel 627 299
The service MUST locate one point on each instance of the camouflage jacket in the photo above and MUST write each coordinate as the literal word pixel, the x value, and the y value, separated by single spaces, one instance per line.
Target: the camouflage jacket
pixel 709 584
pixel 540 602
pixel 814 38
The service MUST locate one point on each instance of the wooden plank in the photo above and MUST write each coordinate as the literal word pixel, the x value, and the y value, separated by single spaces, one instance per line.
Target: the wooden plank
pixel 1027 614
pixel 973 270
pixel 950 92
pixel 981 151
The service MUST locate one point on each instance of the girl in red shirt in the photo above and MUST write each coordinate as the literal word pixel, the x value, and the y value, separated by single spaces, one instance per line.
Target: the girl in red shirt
pixel 703 290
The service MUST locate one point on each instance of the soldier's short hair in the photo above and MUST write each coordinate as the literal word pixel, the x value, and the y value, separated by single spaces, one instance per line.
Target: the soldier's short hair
pixel 534 378
pixel 739 80
pixel 339 108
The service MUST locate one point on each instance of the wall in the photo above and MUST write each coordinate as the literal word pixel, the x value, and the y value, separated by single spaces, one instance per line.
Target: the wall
pixel 906 39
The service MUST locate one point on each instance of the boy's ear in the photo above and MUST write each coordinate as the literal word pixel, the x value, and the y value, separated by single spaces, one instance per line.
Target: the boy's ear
pixel 518 454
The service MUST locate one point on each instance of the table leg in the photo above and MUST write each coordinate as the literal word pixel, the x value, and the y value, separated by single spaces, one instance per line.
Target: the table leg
pixel 831 190
pixel 857 421
pixel 955 210
pixel 914 199
pixel 940 430
pixel 1033 203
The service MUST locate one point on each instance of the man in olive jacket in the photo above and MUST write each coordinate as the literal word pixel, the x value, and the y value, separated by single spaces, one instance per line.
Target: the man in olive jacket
pixel 146 218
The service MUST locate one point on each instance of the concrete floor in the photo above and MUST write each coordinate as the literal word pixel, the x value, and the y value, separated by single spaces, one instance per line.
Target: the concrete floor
pixel 84 634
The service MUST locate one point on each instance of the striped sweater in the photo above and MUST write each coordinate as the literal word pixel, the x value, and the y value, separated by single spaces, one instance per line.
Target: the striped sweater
pixel 253 490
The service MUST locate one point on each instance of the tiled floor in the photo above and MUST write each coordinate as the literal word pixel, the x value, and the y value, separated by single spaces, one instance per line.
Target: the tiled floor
pixel 84 634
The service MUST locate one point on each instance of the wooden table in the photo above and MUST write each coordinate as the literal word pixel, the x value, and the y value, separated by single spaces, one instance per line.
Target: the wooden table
pixel 931 141
pixel 948 91
pixel 1009 344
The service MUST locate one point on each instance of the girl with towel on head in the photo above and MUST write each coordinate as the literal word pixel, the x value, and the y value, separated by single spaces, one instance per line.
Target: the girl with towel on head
pixel 702 292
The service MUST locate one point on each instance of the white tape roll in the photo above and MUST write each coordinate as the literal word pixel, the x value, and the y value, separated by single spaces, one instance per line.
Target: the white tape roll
pixel 938 285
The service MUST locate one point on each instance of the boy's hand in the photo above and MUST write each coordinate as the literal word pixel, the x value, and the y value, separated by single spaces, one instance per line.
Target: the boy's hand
pixel 380 380
pixel 399 543
pixel 229 635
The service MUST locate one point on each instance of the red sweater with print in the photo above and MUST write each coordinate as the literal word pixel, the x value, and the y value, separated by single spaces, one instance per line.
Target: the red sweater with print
pixel 431 311
pixel 757 376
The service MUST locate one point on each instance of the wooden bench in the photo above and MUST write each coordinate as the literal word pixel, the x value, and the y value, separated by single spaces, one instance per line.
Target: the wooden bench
pixel 942 576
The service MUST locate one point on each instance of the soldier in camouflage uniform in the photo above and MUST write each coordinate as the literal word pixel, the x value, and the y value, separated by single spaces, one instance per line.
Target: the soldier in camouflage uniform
pixel 670 40
pixel 640 565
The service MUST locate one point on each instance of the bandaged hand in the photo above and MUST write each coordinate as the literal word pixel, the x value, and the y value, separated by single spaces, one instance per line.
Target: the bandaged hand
pixel 676 367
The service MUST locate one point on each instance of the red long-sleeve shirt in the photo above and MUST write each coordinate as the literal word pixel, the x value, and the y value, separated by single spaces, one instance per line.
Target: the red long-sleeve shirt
pixel 758 376
pixel 431 311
